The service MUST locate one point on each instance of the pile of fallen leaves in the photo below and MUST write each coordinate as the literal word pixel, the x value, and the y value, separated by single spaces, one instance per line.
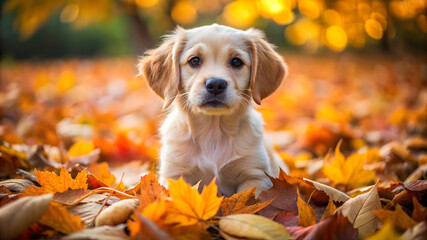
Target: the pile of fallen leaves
pixel 78 153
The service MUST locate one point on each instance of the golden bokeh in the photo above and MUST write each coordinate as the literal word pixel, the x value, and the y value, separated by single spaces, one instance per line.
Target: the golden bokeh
pixel 70 13
pixel 374 29
pixel 183 12
pixel 146 3
pixel 336 38
pixel 240 13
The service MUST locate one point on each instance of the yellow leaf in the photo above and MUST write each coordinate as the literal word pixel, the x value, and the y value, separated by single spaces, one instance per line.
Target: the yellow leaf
pixel 330 209
pixel 399 218
pixel 81 148
pixel 156 211
pixel 250 226
pixel 188 206
pixel 306 214
pixel 52 183
pixel 101 172
pixel 387 232
pixel 350 171
pixel 59 218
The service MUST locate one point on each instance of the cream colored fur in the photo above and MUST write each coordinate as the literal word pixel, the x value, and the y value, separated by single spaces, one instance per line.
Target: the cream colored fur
pixel 201 141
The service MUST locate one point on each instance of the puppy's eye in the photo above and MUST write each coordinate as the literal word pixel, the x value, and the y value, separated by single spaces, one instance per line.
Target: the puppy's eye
pixel 236 62
pixel 195 61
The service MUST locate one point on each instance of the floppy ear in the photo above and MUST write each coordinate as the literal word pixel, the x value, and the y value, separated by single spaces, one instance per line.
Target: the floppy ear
pixel 268 68
pixel 160 66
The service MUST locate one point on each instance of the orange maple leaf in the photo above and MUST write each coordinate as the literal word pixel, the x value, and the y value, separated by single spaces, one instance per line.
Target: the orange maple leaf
pixel 149 190
pixel 241 203
pixel 350 171
pixel 101 172
pixel 59 218
pixel 188 206
pixel 52 183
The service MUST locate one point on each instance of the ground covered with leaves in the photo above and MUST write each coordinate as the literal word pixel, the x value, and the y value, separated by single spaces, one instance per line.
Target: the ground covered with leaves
pixel 78 154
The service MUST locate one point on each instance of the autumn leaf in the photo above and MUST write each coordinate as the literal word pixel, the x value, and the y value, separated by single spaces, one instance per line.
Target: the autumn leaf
pixel 249 226
pixel 306 214
pixel 116 213
pixel 52 183
pixel 189 207
pixel 240 203
pixel 59 218
pixel 358 210
pixel 144 228
pixel 398 217
pixel 420 212
pixel 101 172
pixel 350 171
pixel 149 190
pixel 156 211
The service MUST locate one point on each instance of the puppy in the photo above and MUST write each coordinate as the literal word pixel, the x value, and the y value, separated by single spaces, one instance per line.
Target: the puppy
pixel 209 78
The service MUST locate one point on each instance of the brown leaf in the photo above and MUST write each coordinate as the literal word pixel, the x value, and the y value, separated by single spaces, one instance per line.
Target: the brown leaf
pixel 243 202
pixel 116 213
pixel 334 227
pixel 150 190
pixel 87 212
pixel 306 214
pixel 398 217
pixel 287 219
pixel 16 185
pixel 18 216
pixel 71 197
pixel 358 210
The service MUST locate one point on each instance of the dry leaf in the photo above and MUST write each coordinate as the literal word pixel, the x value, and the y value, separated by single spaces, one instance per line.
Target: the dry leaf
pixel 116 213
pixel 71 197
pixel 306 214
pixel 189 206
pixel 240 203
pixel 16 185
pixel 333 193
pixel 358 210
pixel 59 218
pixel 251 226
pixel 156 211
pixel 18 216
pixel 398 217
pixel 386 232
pixel 52 183
pixel 420 212
pixel 100 233
pixel 87 212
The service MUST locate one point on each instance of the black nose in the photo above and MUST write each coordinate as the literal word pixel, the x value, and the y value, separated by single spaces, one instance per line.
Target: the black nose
pixel 215 85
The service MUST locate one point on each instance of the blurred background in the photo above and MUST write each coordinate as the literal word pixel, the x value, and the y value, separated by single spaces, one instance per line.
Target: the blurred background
pixel 357 72
pixel 39 29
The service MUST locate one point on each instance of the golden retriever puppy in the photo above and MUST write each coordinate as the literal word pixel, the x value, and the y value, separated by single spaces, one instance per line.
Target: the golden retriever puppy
pixel 209 78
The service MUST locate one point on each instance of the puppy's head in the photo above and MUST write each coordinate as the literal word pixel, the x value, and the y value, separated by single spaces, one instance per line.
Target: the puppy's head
pixel 213 69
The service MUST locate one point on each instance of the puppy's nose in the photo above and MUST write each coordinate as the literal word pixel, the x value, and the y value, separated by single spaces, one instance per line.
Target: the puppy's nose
pixel 215 85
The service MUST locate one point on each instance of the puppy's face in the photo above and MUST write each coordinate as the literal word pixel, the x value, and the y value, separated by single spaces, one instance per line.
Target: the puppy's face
pixel 213 69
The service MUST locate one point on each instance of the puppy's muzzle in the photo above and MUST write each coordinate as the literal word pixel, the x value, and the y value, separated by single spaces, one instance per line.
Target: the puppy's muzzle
pixel 215 96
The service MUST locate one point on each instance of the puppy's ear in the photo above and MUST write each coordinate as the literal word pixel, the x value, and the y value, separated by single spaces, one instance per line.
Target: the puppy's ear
pixel 268 68
pixel 160 66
